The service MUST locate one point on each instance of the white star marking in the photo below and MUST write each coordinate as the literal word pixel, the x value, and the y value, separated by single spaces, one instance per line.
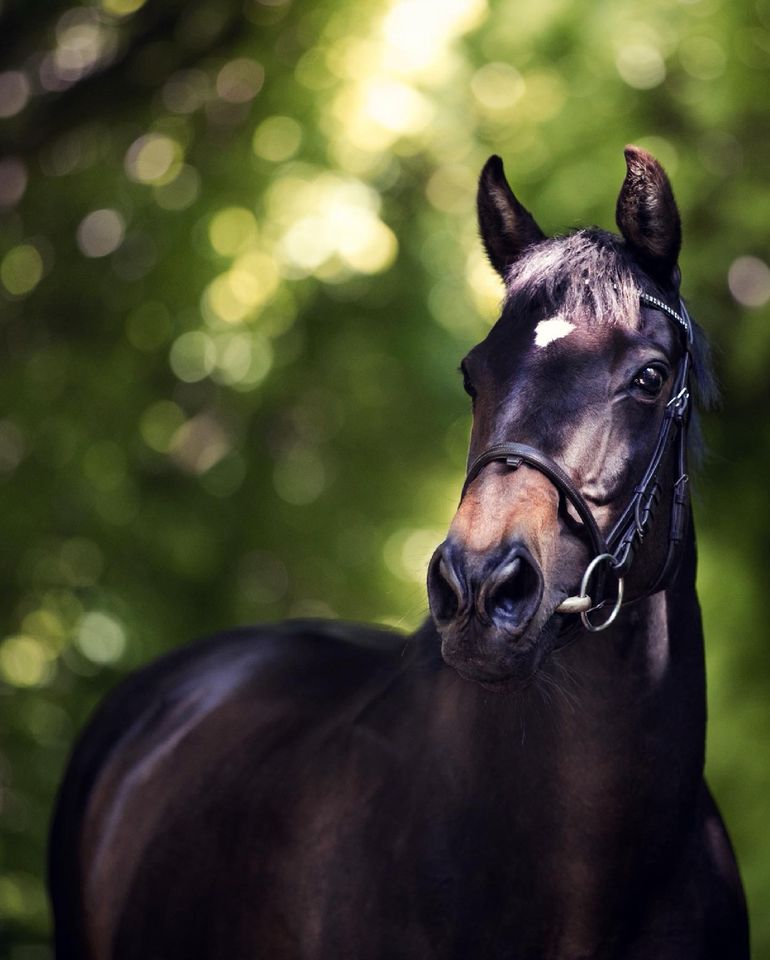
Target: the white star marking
pixel 554 329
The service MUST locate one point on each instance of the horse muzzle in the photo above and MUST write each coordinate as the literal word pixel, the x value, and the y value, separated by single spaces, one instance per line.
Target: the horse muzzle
pixel 484 606
pixel 502 591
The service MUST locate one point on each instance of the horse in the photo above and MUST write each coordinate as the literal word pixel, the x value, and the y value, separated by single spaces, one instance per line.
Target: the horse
pixel 520 778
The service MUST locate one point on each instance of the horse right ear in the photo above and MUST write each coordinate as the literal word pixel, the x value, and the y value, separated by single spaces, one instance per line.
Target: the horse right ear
pixel 506 227
pixel 648 217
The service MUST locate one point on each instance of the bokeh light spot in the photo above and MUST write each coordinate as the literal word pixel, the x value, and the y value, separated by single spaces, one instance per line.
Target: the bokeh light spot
pixel 181 192
pixel 153 158
pixel 546 96
pixel 193 356
pixel 122 8
pixel 235 296
pixel 85 41
pixel 749 281
pixel 22 899
pixel 243 359
pixel 260 353
pixel 497 86
pixel 254 278
pixel 46 626
pixel 101 232
pixel 641 65
pixel 21 269
pixel 702 57
pixel 233 357
pixel 485 286
pixel 240 80
pixel 305 244
pixel 407 551
pixel 396 107
pixel 336 230
pixel 219 303
pixel 277 138
pixel 13 181
pixel 14 92
pixel 232 229
pixel 100 638
pixel 417 32
pixel 186 91
pixel 159 423
pixel 452 188
pixel 367 244
pixel 25 661
pixel 200 443
pixel 312 70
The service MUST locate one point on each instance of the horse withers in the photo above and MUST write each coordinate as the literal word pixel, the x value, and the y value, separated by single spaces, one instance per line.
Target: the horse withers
pixel 522 778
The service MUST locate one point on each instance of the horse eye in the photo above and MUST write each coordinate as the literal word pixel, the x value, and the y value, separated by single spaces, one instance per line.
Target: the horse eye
pixel 467 384
pixel 650 381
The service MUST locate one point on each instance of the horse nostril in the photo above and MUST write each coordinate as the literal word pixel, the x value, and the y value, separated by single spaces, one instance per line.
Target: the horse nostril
pixel 445 591
pixel 513 591
pixel 506 593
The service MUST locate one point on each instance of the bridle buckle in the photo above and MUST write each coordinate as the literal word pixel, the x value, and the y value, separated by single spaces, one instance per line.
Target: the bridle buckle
pixel 678 404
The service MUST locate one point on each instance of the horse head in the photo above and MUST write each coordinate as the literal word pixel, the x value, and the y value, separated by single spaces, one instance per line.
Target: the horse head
pixel 573 387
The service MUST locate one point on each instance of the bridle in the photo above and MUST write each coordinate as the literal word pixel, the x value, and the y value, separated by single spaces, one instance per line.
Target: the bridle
pixel 616 551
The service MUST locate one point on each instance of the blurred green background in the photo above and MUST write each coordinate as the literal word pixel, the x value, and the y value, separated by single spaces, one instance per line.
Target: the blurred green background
pixel 238 268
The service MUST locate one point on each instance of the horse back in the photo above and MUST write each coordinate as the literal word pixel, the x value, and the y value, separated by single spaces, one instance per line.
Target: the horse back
pixel 175 737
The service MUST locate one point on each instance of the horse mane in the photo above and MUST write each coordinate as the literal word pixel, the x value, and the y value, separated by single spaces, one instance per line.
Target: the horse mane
pixel 591 272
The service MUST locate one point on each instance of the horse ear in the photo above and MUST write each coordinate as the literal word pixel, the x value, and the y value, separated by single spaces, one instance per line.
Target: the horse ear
pixel 506 228
pixel 647 215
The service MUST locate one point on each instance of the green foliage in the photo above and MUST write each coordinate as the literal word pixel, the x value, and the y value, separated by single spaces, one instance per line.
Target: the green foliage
pixel 238 266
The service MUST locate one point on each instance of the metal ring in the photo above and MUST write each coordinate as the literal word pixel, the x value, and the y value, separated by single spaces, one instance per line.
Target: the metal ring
pixel 584 593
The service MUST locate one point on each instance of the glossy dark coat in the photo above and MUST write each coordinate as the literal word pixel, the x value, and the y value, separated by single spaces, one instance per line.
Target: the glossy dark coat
pixel 325 791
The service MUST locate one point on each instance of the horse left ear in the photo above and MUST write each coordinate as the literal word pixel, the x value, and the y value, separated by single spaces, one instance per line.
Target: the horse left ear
pixel 647 215
pixel 506 227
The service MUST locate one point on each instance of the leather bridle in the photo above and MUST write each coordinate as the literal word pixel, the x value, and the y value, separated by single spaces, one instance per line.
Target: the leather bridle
pixel 616 551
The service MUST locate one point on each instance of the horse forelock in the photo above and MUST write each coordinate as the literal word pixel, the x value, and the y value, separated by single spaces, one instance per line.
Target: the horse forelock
pixel 587 274
pixel 591 275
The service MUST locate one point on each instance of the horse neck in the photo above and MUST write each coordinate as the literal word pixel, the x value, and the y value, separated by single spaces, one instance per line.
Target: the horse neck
pixel 621 712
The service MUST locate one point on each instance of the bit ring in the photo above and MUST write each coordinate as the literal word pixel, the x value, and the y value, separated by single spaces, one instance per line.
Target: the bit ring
pixel 596 628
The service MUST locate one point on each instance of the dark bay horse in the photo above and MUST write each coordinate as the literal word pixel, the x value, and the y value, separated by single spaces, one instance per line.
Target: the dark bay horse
pixel 523 777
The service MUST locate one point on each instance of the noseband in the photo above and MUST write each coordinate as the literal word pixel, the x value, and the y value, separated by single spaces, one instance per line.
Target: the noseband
pixel 617 550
